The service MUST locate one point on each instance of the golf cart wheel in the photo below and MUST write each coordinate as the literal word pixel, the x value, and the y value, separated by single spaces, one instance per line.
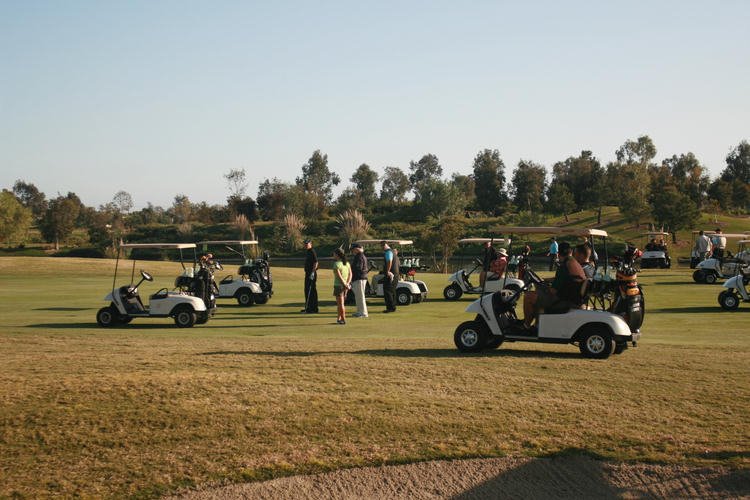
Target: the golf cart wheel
pixel 201 318
pixel 596 342
pixel 729 300
pixel 494 341
pixel 710 278
pixel 699 276
pixel 261 299
pixel 106 316
pixel 185 317
pixel 471 336
pixel 403 297
pixel 452 292
pixel 620 347
pixel 245 298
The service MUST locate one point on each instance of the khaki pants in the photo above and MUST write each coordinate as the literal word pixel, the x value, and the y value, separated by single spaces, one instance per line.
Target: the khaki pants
pixel 358 287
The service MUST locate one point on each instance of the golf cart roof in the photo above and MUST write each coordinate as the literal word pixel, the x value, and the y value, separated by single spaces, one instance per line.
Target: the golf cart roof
pixel 390 242
pixel 483 240
pixel 166 246
pixel 563 231
pixel 726 235
pixel 743 242
pixel 228 242
pixel 655 233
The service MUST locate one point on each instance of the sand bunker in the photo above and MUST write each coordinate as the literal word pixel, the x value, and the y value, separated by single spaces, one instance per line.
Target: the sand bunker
pixel 498 478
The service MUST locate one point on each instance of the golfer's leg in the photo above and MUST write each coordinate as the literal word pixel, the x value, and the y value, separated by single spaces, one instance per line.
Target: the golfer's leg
pixel 313 296
pixel 529 300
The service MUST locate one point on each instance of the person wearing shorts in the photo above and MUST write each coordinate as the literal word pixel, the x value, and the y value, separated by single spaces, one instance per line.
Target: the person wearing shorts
pixel 342 277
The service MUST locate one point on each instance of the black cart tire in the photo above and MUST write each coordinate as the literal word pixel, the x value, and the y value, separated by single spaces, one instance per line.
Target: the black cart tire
pixel 261 299
pixel 620 347
pixel 597 343
pixel 729 300
pixel 201 318
pixel 710 278
pixel 106 316
pixel 185 317
pixel 245 298
pixel 403 296
pixel 471 336
pixel 699 276
pixel 452 292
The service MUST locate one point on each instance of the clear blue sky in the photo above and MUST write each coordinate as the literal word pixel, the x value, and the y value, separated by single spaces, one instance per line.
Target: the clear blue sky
pixel 163 97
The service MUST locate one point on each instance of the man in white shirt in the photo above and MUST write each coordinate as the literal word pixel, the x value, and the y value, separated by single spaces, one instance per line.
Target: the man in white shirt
pixel 719 245
pixel 702 246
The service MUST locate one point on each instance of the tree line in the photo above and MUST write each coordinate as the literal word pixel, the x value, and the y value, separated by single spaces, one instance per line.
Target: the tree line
pixel 670 194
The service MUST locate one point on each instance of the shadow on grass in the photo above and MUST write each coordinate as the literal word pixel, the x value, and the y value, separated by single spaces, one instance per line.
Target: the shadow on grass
pixel 166 324
pixel 692 310
pixel 64 309
pixel 404 353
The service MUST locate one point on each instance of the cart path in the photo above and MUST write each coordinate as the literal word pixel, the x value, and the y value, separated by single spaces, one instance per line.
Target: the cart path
pixel 496 478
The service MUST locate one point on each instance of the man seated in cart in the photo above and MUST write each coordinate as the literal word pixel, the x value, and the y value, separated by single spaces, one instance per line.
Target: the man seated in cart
pixel 562 295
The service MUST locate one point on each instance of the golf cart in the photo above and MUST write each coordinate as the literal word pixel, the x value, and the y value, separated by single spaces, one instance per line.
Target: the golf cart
pixel 125 302
pixel 459 281
pixel 711 270
pixel 736 286
pixel 655 254
pixel 254 284
pixel 598 333
pixel 408 290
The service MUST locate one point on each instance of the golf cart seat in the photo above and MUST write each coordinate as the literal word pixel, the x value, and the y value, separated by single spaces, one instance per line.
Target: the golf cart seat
pixel 131 300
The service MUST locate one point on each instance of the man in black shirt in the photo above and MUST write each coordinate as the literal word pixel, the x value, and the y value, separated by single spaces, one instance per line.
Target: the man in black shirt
pixel 359 279
pixel 311 278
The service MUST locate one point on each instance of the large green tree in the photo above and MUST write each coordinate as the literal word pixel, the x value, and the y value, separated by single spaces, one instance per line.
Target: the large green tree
pixel 583 175
pixel 737 174
pixel 673 210
pixel 439 198
pixel 488 172
pixel 528 186
pixel 318 179
pixel 364 179
pixel 560 200
pixel 30 196
pixel 689 176
pixel 58 221
pixel 395 185
pixel 641 151
pixel 425 170
pixel 15 218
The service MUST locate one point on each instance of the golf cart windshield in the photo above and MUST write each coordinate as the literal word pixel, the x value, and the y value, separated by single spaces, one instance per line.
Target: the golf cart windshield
pixel 499 241
pixel 377 242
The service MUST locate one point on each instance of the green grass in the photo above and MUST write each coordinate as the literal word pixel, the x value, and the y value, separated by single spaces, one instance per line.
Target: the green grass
pixel 137 411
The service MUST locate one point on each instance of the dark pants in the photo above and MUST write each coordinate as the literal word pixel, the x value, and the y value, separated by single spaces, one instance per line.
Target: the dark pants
pixel 719 254
pixel 311 294
pixel 389 292
pixel 552 261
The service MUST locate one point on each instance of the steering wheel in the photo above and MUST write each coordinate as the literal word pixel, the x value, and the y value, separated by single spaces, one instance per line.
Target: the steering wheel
pixel 146 276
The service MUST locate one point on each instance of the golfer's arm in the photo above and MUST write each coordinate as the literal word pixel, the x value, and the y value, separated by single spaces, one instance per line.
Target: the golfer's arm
pixel 341 278
pixel 315 266
pixel 388 266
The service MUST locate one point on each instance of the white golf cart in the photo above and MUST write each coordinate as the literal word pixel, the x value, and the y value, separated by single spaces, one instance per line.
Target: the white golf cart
pixel 598 333
pixel 711 270
pixel 408 290
pixel 125 302
pixel 254 284
pixel 736 286
pixel 655 253
pixel 460 283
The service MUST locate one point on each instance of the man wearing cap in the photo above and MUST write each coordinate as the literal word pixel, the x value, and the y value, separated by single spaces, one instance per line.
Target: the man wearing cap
pixel 311 278
pixel 390 281
pixel 359 280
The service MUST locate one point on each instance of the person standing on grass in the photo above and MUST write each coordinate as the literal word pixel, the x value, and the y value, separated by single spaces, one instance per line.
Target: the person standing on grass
pixel 552 254
pixel 390 280
pixel 719 245
pixel 311 279
pixel 359 280
pixel 702 246
pixel 342 278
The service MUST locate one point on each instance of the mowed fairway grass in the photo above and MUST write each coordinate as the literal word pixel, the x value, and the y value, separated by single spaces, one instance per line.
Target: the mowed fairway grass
pixel 140 410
